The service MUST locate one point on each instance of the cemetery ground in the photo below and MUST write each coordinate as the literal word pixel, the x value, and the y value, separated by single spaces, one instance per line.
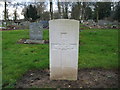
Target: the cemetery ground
pixel 27 65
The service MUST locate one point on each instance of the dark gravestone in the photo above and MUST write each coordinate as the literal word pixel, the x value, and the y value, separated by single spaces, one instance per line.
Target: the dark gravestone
pixel 36 31
pixel 45 24
pixel 104 22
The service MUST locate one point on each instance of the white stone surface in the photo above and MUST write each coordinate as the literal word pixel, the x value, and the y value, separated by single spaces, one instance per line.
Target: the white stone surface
pixel 64 43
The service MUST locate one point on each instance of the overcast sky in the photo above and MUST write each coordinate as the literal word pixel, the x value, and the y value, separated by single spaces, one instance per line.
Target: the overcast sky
pixel 19 10
pixel 11 10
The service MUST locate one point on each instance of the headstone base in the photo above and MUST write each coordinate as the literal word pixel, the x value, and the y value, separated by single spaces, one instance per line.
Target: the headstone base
pixel 66 73
pixel 29 41
pixel 34 41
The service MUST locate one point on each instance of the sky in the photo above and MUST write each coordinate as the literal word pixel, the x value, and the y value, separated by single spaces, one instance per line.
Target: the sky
pixel 11 10
pixel 19 10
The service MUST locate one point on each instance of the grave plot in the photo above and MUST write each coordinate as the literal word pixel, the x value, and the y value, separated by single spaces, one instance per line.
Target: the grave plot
pixel 87 78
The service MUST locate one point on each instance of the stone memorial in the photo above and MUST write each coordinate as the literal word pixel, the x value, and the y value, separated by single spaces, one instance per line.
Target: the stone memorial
pixel 64 46
pixel 36 33
pixel 104 22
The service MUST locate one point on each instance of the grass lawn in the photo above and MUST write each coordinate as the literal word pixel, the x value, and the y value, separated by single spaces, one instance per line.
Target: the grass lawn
pixel 98 49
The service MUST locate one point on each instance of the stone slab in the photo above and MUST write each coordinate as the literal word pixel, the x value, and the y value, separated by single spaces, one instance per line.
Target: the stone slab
pixel 36 31
pixel 64 46
pixel 34 41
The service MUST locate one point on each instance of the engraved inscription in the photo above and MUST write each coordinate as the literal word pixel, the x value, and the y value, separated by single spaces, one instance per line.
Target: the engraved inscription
pixel 63 46
pixel 63 36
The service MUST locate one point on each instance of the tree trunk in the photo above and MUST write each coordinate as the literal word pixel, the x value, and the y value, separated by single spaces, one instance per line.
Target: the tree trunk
pixel 97 16
pixel 15 15
pixel 59 9
pixel 63 10
pixel 83 10
pixel 79 6
pixel 51 10
pixel 5 13
pixel 66 11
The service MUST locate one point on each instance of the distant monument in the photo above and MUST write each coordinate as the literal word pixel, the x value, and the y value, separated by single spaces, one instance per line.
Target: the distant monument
pixel 64 46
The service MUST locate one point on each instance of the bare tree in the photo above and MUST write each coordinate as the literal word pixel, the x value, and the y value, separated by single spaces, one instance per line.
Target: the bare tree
pixel 66 10
pixel 5 12
pixel 62 10
pixel 59 9
pixel 79 9
pixel 40 9
pixel 15 15
pixel 76 10
pixel 15 11
pixel 6 17
pixel 51 9
pixel 83 10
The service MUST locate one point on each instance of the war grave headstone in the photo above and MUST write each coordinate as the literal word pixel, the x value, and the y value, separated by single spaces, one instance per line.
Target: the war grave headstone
pixel 64 46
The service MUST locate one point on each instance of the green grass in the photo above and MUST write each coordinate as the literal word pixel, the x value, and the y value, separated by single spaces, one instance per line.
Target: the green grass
pixel 0 60
pixel 98 49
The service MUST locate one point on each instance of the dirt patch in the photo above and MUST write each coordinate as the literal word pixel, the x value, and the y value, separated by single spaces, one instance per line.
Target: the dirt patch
pixel 24 41
pixel 87 78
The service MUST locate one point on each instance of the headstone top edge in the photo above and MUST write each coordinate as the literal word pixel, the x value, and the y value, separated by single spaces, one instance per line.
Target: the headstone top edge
pixel 35 23
pixel 72 20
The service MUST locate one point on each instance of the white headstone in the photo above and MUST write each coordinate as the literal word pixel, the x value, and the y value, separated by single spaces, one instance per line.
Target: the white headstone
pixel 64 45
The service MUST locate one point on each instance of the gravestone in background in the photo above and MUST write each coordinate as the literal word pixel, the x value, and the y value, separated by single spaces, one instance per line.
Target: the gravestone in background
pixel 24 25
pixel 64 45
pixel 45 24
pixel 104 22
pixel 36 31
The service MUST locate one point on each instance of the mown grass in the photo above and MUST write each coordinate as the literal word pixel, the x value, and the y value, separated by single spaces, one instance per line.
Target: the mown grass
pixel 98 49
pixel 0 60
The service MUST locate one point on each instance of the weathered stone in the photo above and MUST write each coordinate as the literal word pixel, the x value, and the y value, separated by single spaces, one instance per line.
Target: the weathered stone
pixel 64 43
pixel 34 41
pixel 36 31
